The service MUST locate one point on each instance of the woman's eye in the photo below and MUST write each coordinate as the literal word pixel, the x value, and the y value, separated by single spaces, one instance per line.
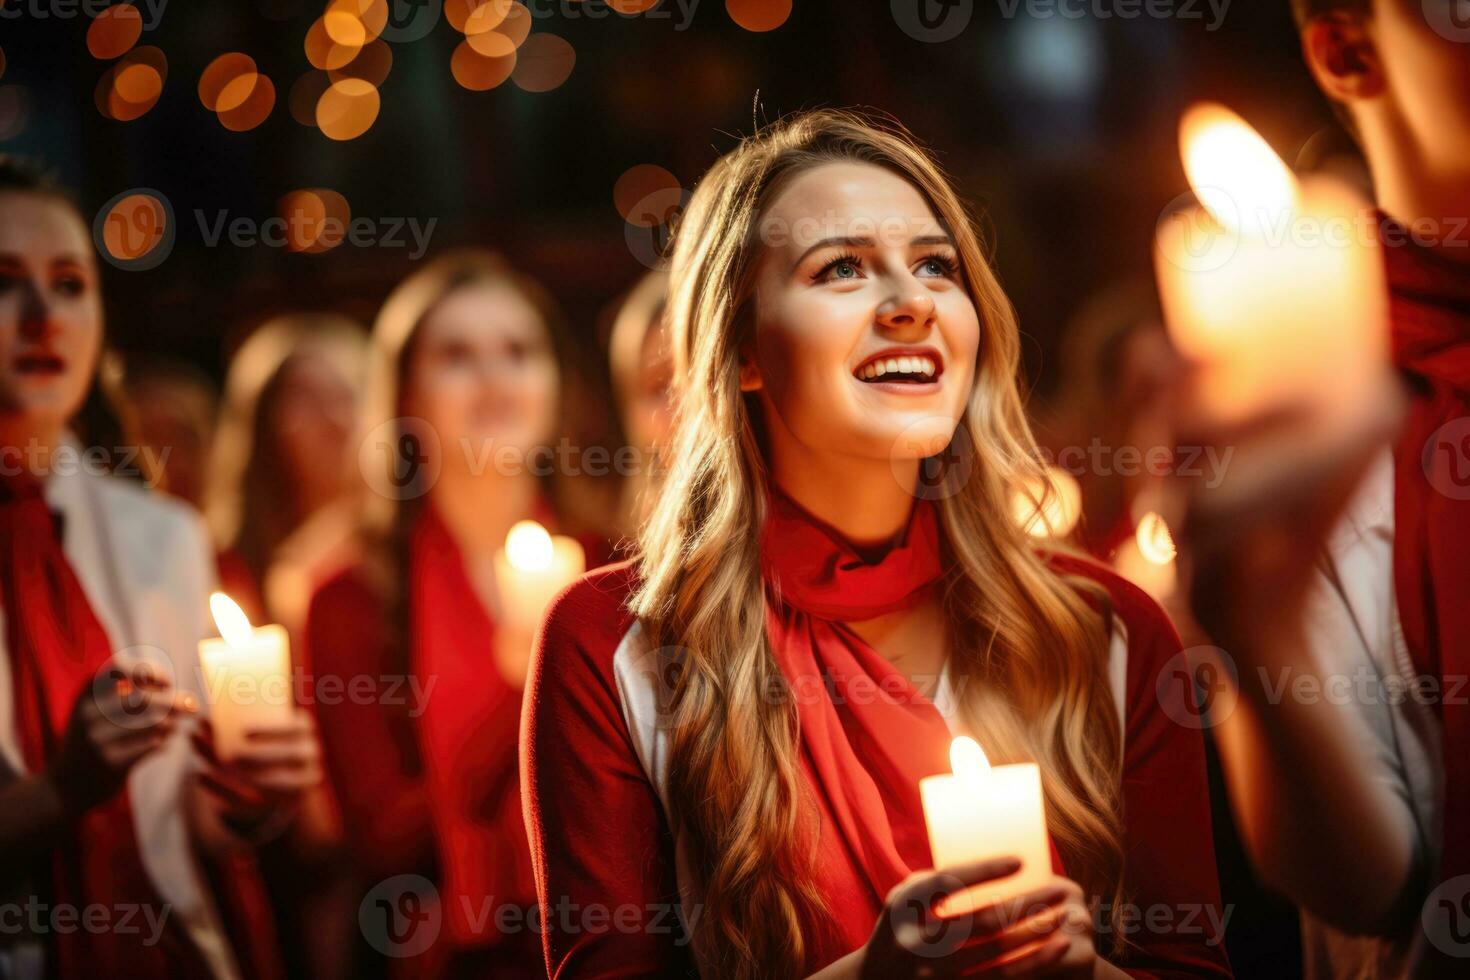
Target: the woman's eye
pixel 840 268
pixel 936 266
pixel 71 286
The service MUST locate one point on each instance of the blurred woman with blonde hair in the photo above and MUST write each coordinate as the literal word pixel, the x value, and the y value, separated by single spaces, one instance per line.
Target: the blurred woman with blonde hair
pixel 466 388
pixel 281 451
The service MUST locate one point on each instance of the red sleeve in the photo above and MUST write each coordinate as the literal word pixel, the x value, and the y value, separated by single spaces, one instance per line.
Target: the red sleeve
pixel 601 849
pixel 369 750
pixel 1176 921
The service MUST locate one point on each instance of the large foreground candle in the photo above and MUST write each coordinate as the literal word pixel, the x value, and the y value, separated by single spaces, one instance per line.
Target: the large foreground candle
pixel 246 677
pixel 532 568
pixel 982 812
pixel 1274 286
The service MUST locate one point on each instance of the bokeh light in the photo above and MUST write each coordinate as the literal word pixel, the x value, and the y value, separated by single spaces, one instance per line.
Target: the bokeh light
pixel 543 63
pixel 114 31
pixel 476 16
pixel 372 64
pixel 371 16
pixel 478 72
pixel 509 34
pixel 257 97
pixel 759 15
pixel 221 81
pixel 132 86
pixel 347 109
pixel 637 184
pixel 316 219
pixel 325 52
pixel 305 94
pixel 631 7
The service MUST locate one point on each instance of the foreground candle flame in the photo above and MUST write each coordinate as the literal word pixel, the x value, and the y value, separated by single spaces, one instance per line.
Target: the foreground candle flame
pixel 967 758
pixel 1155 542
pixel 1233 171
pixel 233 624
pixel 528 547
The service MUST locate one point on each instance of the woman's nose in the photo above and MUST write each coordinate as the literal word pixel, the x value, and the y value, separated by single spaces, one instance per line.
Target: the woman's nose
pixel 35 313
pixel 911 309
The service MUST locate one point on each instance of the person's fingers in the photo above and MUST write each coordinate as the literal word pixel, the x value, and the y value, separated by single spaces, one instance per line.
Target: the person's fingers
pixel 234 793
pixel 299 727
pixel 1001 915
pixel 1037 927
pixel 286 755
pixel 286 783
pixel 1034 959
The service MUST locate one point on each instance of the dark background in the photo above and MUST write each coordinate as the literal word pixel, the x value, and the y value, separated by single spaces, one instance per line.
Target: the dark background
pixel 1061 131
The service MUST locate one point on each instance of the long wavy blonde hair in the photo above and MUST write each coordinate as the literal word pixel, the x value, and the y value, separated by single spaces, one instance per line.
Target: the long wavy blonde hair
pixel 1028 648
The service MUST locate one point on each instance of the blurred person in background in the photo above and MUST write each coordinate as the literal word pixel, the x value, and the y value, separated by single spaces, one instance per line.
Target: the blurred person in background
pixel 467 382
pixel 1339 553
pixel 282 456
pixel 110 794
pixel 171 408
pixel 642 368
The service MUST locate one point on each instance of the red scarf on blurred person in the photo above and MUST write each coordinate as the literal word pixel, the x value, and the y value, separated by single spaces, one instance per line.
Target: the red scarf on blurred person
pixel 867 734
pixel 1431 344
pixel 56 647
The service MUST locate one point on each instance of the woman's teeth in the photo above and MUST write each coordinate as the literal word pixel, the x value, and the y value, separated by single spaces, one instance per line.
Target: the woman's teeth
pixel 918 366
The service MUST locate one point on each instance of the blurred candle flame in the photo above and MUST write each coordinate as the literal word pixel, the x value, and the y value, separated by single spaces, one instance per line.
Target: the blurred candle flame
pixel 1233 171
pixel 528 547
pixel 233 624
pixel 1155 542
pixel 967 758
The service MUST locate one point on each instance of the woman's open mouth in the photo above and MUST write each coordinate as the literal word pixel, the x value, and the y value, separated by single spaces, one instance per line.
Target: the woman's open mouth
pixel 911 370
pixel 39 364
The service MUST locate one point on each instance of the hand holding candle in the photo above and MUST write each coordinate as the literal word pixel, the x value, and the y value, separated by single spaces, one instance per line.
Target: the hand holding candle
pixel 1274 287
pixel 246 677
pixel 982 812
pixel 532 568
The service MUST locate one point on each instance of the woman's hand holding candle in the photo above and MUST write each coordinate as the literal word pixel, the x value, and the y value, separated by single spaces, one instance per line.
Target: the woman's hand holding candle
pixel 1042 932
pixel 259 751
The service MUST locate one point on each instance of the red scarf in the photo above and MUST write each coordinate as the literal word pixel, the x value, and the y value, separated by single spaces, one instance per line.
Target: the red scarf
pixel 469 740
pixel 1430 307
pixel 868 736
pixel 57 646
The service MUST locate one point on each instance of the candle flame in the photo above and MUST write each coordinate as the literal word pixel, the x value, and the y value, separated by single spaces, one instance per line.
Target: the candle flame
pixel 233 624
pixel 528 547
pixel 967 758
pixel 1155 542
pixel 1233 171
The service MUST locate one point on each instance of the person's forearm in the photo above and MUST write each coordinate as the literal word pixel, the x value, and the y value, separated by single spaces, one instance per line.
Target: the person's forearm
pixel 1318 826
pixel 849 967
pixel 31 812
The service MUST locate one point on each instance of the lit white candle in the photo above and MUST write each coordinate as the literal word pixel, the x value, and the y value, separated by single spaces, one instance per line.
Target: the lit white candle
pixel 531 569
pixel 247 674
pixel 982 812
pixel 1275 286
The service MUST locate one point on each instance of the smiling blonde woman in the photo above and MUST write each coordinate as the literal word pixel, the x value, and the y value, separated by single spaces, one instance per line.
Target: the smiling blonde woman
pixel 706 765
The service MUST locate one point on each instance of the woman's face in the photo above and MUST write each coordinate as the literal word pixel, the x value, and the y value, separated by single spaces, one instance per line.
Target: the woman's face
pixel 50 312
pixel 650 408
pixel 312 414
pixel 865 336
pixel 484 376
